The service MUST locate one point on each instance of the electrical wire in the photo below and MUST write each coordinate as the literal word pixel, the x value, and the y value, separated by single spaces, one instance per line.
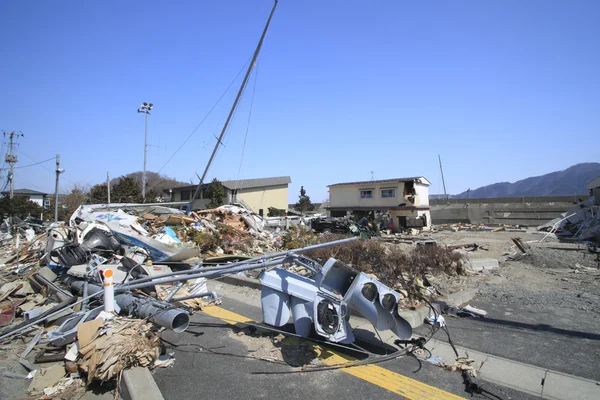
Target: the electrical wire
pixel 206 116
pixel 31 165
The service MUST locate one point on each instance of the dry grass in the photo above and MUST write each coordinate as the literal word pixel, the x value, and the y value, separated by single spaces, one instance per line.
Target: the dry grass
pixel 389 263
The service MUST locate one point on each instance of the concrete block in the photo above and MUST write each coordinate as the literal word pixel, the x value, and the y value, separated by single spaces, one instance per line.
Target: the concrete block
pixel 480 264
pixel 519 376
pixel 138 384
pixel 562 386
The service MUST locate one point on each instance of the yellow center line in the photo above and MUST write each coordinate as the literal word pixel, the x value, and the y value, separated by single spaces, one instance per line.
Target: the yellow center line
pixel 384 378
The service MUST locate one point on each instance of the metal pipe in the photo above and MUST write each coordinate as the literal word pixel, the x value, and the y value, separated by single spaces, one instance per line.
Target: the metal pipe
pixel 209 274
pixel 174 291
pixel 195 296
pixel 251 260
pixel 160 313
pixel 41 280
pixel 45 316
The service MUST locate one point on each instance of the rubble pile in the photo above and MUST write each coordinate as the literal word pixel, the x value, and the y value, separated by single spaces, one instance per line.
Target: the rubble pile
pixel 581 223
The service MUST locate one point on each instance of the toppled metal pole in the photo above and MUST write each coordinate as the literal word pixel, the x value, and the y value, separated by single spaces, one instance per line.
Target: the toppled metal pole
pixel 245 262
pixel 46 316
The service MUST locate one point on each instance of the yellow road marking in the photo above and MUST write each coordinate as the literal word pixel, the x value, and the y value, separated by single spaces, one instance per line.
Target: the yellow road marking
pixel 384 378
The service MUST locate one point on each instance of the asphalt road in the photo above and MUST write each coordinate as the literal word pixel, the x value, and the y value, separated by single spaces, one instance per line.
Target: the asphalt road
pixel 213 361
pixel 552 338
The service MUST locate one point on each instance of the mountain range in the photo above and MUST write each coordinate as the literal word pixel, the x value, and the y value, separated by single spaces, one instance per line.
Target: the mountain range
pixel 570 181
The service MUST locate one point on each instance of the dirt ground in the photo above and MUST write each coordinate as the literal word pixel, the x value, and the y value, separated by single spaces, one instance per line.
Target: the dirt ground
pixel 545 277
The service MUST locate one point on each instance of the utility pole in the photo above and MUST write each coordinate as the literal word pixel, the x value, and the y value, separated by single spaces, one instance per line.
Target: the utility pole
pixel 58 172
pixel 443 181
pixel 145 108
pixel 11 159
pixel 108 186
pixel 233 107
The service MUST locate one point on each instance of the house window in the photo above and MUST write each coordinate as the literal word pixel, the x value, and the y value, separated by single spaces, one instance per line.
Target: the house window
pixel 388 193
pixel 185 195
pixel 366 194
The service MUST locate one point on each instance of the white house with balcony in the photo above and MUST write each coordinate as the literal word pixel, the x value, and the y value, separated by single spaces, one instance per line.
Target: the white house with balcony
pixel 405 200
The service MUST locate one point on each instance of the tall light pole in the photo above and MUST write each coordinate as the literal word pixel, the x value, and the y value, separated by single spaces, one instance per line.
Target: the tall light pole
pixel 145 108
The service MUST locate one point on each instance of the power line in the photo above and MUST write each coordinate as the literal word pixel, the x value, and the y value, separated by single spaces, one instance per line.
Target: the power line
pixel 206 116
pixel 46 168
pixel 31 165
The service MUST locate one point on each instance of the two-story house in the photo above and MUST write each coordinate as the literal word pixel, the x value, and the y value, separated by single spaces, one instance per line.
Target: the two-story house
pixel 255 194
pixel 405 200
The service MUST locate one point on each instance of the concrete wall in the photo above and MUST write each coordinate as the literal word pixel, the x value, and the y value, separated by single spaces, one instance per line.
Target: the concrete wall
pixel 265 197
pixel 511 211
pixel 422 197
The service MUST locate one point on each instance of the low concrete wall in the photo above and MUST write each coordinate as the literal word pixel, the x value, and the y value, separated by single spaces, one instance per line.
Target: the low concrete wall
pixel 531 211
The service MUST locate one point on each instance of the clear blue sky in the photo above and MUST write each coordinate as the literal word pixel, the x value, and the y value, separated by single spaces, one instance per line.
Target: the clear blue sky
pixel 502 90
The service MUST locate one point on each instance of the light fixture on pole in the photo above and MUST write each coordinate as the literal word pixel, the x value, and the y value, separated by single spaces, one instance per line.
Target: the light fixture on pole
pixel 145 108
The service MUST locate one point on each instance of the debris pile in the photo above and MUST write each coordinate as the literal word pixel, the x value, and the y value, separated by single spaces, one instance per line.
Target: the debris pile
pixel 579 224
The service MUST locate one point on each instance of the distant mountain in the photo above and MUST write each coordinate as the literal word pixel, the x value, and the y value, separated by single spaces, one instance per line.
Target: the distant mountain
pixel 155 181
pixel 572 180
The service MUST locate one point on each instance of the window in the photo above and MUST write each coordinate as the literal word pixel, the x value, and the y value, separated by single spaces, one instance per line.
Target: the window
pixel 366 194
pixel 388 193
pixel 185 195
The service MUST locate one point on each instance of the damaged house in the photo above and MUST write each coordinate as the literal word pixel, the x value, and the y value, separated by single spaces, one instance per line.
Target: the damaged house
pixel 255 194
pixel 405 200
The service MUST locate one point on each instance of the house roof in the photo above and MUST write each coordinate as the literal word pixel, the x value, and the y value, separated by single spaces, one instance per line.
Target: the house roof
pixel 594 183
pixel 25 192
pixel 419 179
pixel 246 183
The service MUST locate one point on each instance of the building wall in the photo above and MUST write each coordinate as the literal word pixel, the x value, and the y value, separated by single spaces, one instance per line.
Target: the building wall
pixel 422 197
pixel 36 198
pixel 265 197
pixel 349 195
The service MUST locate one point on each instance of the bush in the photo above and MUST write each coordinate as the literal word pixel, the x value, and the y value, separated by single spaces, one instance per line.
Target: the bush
pixel 389 263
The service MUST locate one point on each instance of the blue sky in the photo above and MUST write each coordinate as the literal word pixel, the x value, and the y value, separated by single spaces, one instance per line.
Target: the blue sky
pixel 502 90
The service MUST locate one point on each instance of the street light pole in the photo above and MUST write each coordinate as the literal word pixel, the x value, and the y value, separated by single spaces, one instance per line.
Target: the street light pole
pixel 145 108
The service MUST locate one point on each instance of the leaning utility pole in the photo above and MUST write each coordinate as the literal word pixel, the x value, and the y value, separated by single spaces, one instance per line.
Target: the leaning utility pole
pixel 233 107
pixel 58 172
pixel 11 159
pixel 108 186
pixel 442 171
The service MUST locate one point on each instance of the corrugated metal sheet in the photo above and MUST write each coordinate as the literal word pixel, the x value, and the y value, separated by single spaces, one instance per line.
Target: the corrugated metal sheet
pixel 244 183
pixel 258 182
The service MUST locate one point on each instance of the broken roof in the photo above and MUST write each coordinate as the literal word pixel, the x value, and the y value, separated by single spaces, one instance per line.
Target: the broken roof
pixel 594 183
pixel 25 192
pixel 419 179
pixel 246 183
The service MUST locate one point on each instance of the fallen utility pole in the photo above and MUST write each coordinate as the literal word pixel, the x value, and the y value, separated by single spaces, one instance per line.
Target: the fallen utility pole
pixel 233 107
pixel 262 258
